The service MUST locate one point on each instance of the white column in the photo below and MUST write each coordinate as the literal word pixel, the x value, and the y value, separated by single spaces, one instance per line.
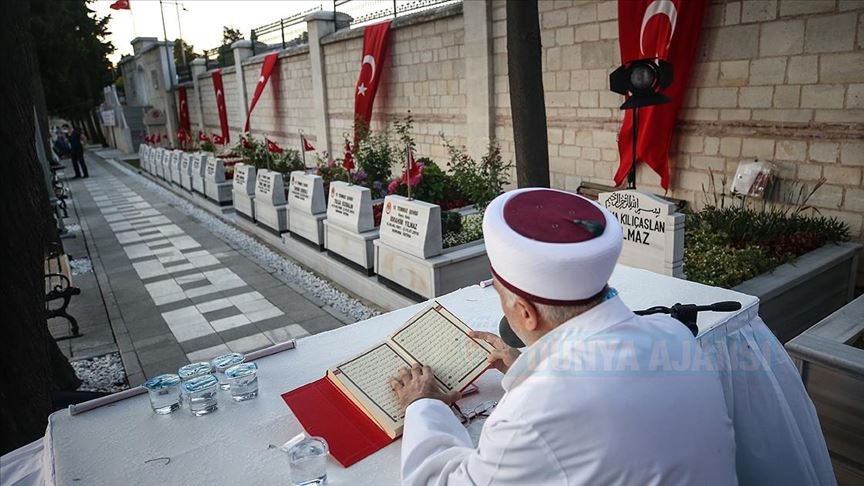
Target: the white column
pixel 476 17
pixel 319 25
pixel 242 51
pixel 199 67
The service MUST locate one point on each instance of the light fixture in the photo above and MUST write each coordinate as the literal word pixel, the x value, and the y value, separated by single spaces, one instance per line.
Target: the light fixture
pixel 642 81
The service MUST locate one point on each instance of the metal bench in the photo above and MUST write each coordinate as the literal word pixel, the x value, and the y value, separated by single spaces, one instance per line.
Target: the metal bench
pixel 58 285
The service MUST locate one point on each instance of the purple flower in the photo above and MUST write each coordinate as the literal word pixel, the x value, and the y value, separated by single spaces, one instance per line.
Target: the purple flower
pixel 360 176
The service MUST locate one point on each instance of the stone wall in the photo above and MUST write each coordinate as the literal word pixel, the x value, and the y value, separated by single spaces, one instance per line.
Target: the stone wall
pixel 781 80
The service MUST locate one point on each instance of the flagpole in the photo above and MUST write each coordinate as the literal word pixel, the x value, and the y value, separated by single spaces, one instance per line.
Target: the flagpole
pixel 408 170
pixel 302 150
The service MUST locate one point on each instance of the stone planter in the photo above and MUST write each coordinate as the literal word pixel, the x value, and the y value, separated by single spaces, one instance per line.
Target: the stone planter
pixel 833 373
pixel 409 257
pixel 216 188
pixel 349 231
pixel 307 209
pixel 271 209
pixel 799 293
pixel 243 191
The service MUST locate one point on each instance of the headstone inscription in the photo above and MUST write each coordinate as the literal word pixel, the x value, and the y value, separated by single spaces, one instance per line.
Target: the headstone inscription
pixel 412 226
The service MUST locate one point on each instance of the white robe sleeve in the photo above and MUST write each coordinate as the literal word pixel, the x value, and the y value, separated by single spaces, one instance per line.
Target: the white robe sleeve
pixel 437 450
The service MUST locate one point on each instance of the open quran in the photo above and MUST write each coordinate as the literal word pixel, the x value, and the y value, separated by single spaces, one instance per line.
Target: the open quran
pixel 354 403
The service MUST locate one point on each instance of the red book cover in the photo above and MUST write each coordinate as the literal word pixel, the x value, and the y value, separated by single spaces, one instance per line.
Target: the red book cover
pixel 325 411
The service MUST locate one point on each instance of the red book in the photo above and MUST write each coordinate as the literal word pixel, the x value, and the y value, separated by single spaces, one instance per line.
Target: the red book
pixel 353 406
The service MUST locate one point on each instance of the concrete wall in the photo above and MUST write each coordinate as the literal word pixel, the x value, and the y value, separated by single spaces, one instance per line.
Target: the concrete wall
pixel 782 80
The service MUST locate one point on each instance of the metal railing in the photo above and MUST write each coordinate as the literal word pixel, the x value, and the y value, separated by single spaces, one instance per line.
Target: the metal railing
pixel 219 57
pixel 368 11
pixel 283 33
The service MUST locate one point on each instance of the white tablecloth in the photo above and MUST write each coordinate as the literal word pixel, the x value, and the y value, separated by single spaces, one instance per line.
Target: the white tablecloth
pixel 113 444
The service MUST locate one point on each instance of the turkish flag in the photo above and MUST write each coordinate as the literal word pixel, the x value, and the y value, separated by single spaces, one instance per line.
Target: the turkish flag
pixel 348 159
pixel 184 109
pixel 272 147
pixel 668 29
pixel 121 5
pixel 307 147
pixel 413 171
pixel 218 139
pixel 202 137
pixel 220 105
pixel 246 143
pixel 266 70
pixel 375 41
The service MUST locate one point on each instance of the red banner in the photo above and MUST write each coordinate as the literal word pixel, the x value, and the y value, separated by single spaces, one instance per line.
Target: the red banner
pixel 668 29
pixel 184 109
pixel 266 71
pixel 220 104
pixel 375 41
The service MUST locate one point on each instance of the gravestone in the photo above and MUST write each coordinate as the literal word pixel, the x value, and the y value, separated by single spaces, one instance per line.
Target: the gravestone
pixel 143 152
pixel 216 188
pixel 412 226
pixel 175 166
pixel 165 170
pixel 271 209
pixel 243 190
pixel 307 207
pixel 349 230
pixel 409 257
pixel 653 231
pixel 199 167
pixel 186 171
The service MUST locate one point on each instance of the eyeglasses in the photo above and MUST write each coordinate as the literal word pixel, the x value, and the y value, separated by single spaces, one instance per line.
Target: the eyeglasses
pixel 482 410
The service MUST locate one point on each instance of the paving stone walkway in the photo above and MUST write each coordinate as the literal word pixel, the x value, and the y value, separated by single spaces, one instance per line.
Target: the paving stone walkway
pixel 164 290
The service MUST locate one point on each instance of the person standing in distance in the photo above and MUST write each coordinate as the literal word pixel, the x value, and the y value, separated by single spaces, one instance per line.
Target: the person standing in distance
pixel 77 147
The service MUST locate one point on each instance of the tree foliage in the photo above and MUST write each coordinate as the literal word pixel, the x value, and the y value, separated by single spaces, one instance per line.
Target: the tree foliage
pixel 230 35
pixel 180 48
pixel 70 45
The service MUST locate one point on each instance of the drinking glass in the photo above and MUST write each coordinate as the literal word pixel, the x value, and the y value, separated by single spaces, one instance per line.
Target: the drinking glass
pixel 194 370
pixel 308 460
pixel 164 391
pixel 243 381
pixel 202 392
pixel 222 363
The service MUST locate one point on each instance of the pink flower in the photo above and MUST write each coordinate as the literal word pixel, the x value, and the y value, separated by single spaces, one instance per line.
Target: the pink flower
pixel 391 188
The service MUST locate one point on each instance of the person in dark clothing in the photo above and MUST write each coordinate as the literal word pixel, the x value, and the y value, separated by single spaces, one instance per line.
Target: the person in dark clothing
pixel 77 148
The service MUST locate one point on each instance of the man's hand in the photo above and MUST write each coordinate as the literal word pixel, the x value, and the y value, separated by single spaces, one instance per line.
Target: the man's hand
pixel 502 356
pixel 418 382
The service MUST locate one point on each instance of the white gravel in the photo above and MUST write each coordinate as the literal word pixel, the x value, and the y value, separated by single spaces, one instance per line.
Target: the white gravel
pixel 81 265
pixel 263 255
pixel 101 374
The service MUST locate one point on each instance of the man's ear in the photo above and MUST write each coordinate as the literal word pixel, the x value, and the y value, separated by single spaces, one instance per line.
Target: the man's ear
pixel 528 312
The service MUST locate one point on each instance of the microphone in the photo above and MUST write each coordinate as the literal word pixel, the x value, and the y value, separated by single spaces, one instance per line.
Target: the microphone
pixel 507 335
pixel 726 306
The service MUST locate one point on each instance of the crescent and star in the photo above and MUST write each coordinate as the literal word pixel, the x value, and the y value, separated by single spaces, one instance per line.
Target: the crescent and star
pixel 659 7
pixel 370 60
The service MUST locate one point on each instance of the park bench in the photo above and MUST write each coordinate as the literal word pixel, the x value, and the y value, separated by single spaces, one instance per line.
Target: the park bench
pixel 58 285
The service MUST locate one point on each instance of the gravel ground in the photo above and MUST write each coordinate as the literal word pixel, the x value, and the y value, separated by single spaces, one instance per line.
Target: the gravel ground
pixel 263 255
pixel 101 374
pixel 81 265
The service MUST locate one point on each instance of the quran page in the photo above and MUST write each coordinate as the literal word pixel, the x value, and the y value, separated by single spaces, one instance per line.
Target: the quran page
pixel 364 380
pixel 438 339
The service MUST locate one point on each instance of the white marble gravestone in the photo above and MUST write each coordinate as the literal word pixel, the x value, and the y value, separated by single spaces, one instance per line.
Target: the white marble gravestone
pixel 409 256
pixel 653 231
pixel 199 167
pixel 271 209
pixel 175 166
pixel 143 152
pixel 243 190
pixel 186 171
pixel 165 172
pixel 216 188
pixel 306 204
pixel 350 226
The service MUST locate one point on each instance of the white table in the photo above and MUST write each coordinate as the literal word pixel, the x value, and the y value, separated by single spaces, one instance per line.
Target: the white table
pixel 109 445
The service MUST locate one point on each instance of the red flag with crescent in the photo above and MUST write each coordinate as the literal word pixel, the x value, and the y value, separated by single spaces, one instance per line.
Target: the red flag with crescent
pixel 218 139
pixel 120 5
pixel 375 41
pixel 272 147
pixel 220 105
pixel 184 109
pixel 307 146
pixel 266 71
pixel 668 29
pixel 348 159
pixel 202 137
pixel 413 171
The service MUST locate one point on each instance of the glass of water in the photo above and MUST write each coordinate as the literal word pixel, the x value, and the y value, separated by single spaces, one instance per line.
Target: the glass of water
pixel 194 370
pixel 222 363
pixel 243 381
pixel 201 392
pixel 308 460
pixel 164 391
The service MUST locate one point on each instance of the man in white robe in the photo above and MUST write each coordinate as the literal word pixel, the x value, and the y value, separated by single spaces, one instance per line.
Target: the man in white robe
pixel 596 396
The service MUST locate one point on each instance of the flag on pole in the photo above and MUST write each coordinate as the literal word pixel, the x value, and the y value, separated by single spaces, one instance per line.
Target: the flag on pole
pixel 375 41
pixel 220 105
pixel 668 30
pixel 412 171
pixel 266 71
pixel 218 139
pixel 184 109
pixel 202 137
pixel 272 147
pixel 348 159
pixel 120 5
pixel 307 147
pixel 245 142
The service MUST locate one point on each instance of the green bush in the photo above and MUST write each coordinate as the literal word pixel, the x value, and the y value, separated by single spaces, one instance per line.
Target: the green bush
pixel 470 229
pixel 374 156
pixel 479 182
